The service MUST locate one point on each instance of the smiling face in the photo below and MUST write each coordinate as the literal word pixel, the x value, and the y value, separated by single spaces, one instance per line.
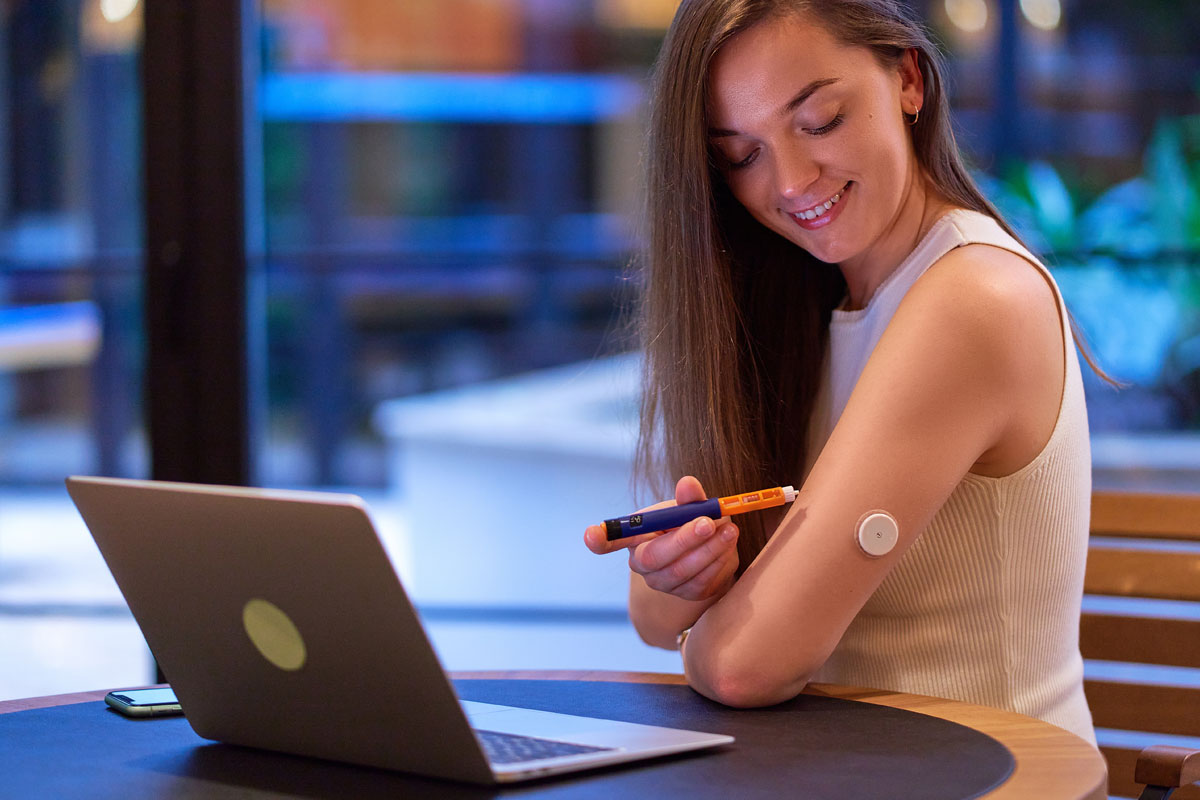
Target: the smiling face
pixel 810 136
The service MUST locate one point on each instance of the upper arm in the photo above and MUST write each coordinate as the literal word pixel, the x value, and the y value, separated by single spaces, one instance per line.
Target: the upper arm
pixel 942 388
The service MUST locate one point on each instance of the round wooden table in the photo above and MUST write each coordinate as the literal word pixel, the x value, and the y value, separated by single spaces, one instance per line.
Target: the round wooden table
pixel 1050 762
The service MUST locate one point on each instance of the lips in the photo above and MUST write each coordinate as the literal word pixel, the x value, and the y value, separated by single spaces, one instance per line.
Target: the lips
pixel 823 213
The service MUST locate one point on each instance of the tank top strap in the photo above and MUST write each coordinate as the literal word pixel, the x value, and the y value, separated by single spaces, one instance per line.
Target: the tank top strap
pixel 976 228
pixel 955 229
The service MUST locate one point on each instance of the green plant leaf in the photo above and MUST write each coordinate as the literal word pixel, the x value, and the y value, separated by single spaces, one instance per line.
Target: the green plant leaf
pixel 1052 203
pixel 1167 169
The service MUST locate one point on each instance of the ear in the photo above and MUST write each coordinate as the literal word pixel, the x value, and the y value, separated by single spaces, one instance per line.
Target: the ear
pixel 912 82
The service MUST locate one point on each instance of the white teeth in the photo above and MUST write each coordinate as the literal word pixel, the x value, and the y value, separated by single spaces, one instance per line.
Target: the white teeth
pixel 820 209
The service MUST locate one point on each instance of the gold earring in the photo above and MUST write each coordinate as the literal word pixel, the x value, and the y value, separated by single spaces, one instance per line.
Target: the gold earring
pixel 915 116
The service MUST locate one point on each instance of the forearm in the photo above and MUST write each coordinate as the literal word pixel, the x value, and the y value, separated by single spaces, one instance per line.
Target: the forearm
pixel 764 639
pixel 658 617
pixel 729 659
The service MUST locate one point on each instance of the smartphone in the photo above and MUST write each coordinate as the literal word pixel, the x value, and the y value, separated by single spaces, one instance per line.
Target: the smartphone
pixel 144 702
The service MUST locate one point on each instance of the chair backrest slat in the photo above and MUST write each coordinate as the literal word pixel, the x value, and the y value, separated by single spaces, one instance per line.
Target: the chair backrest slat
pixel 1130 572
pixel 1123 705
pixel 1161 516
pixel 1142 640
pixel 1131 567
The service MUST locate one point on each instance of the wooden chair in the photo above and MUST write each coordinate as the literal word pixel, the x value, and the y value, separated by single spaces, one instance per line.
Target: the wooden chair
pixel 1144 546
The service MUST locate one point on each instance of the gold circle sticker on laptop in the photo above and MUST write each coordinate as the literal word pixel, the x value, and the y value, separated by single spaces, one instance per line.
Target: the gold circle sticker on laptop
pixel 274 634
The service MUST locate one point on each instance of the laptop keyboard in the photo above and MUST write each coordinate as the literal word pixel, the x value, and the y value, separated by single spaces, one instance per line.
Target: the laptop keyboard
pixel 510 748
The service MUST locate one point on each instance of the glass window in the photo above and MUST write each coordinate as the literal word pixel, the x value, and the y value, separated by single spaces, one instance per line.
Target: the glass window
pixel 450 201
pixel 449 197
pixel 70 334
pixel 1085 123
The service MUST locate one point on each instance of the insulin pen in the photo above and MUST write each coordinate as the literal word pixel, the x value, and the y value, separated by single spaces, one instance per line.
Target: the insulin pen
pixel 673 516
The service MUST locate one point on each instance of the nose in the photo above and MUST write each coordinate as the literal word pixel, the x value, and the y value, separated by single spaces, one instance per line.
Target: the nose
pixel 795 172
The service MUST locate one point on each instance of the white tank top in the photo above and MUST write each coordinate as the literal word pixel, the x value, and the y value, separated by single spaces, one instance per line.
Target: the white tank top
pixel 984 606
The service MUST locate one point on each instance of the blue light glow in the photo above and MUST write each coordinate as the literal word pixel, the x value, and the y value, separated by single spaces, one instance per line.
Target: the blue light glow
pixel 433 97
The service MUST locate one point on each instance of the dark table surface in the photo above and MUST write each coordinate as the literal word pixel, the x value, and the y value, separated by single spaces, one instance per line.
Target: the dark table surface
pixel 1049 762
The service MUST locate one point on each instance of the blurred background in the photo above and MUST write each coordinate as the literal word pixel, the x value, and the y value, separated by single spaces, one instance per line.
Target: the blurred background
pixel 441 201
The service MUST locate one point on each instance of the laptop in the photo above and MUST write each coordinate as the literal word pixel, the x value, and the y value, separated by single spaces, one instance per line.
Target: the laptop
pixel 281 624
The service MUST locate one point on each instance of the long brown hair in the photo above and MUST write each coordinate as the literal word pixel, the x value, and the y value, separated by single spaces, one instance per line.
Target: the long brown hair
pixel 734 319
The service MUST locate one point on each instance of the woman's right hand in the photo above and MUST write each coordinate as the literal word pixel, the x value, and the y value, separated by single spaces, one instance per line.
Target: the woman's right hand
pixel 696 561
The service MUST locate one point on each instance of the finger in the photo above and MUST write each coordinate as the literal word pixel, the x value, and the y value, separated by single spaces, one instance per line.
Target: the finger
pixel 719 548
pixel 714 579
pixel 656 554
pixel 689 490
pixel 596 539
pixel 678 572
pixel 673 544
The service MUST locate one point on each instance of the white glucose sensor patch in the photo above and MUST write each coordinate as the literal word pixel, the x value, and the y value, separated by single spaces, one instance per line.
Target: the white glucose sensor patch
pixel 877 533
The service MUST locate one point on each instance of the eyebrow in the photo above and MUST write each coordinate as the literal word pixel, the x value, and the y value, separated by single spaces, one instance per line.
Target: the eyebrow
pixel 788 107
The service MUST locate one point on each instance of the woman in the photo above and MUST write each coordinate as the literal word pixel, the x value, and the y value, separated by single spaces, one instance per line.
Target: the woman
pixel 831 302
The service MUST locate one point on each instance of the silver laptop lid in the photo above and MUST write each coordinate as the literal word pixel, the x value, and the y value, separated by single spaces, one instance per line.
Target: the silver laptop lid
pixel 280 623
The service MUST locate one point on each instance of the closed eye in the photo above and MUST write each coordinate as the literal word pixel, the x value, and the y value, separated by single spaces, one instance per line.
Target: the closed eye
pixel 829 126
pixel 728 163
pixel 745 162
pixel 749 159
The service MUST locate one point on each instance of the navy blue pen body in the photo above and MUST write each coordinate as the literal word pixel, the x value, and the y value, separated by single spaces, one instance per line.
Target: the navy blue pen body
pixel 661 519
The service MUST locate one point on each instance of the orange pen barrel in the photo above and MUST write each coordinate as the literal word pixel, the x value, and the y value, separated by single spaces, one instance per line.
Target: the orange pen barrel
pixel 753 501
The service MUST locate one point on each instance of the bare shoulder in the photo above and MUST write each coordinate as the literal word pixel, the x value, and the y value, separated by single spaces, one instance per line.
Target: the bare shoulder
pixel 994 294
pixel 994 320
